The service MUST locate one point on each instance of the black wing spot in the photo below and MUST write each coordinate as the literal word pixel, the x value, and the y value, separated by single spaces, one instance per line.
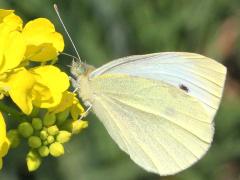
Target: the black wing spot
pixel 183 87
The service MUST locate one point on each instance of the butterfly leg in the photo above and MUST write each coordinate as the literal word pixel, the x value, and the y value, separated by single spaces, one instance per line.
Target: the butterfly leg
pixel 74 84
pixel 87 111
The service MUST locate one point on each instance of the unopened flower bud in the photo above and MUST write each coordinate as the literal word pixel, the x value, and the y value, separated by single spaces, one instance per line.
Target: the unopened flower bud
pixel 45 143
pixel 33 161
pixel 63 136
pixel 43 134
pixel 53 130
pixel 62 116
pixel 49 119
pixel 34 142
pixel 67 125
pixel 37 123
pixel 56 149
pixel 14 138
pixel 77 126
pixel 43 151
pixel 25 129
pixel 50 139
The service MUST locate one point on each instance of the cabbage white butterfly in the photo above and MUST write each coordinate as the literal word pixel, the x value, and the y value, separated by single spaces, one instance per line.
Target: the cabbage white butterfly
pixel 159 108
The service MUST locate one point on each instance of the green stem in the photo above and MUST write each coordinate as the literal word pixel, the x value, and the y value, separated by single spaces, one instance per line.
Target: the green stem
pixel 12 111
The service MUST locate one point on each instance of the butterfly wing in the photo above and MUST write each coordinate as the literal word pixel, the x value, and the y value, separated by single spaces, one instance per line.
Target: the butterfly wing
pixel 203 77
pixel 162 128
pixel 141 103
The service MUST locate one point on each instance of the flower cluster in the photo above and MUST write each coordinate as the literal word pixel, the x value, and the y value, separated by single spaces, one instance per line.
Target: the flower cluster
pixel 37 87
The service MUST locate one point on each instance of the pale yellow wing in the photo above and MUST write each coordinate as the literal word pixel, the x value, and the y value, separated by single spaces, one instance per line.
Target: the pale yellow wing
pixel 163 128
pixel 203 76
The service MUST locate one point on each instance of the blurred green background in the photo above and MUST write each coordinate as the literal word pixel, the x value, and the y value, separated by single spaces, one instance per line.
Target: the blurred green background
pixel 107 29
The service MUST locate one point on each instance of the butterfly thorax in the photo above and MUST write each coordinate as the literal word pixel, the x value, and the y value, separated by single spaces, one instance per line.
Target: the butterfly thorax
pixel 85 92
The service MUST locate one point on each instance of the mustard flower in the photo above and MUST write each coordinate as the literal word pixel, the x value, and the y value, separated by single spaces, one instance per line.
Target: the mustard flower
pixel 43 42
pixel 36 88
pixel 41 86
pixel 4 143
pixel 37 41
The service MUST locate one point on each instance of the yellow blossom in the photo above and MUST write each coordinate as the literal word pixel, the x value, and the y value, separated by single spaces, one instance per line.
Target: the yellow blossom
pixel 41 86
pixel 55 81
pixel 4 143
pixel 43 42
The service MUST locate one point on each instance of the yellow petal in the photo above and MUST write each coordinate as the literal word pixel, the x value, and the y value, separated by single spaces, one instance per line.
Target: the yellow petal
pixel 43 42
pixel 4 143
pixel 12 48
pixel 4 13
pixel 66 102
pixel 2 128
pixel 76 109
pixel 56 81
pixel 51 77
pixel 10 19
pixel 20 83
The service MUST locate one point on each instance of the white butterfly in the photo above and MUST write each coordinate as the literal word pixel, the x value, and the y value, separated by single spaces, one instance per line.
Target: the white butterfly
pixel 158 108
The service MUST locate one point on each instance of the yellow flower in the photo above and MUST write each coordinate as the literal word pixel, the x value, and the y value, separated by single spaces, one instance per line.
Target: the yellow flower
pixel 4 143
pixel 69 100
pixel 37 41
pixel 43 42
pixel 41 86
pixel 10 19
pixel 55 83
pixel 12 45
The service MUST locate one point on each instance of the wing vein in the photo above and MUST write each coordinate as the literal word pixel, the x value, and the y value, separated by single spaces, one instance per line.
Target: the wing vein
pixel 134 95
pixel 164 117
pixel 169 154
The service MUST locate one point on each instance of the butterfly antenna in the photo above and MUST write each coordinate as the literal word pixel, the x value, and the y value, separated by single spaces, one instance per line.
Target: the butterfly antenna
pixel 69 55
pixel 65 29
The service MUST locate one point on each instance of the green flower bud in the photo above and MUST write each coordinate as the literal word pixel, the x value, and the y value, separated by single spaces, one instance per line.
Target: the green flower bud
pixel 25 129
pixel 67 125
pixel 43 135
pixel 77 126
pixel 33 161
pixel 50 139
pixel 14 138
pixel 63 136
pixel 34 142
pixel 62 117
pixel 53 130
pixel 49 119
pixel 37 123
pixel 56 149
pixel 43 151
pixel 45 143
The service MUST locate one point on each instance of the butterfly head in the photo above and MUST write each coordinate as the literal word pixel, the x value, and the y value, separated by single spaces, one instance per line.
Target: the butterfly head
pixel 79 68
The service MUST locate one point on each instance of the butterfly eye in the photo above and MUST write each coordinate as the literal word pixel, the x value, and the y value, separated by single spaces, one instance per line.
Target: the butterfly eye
pixel 81 69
